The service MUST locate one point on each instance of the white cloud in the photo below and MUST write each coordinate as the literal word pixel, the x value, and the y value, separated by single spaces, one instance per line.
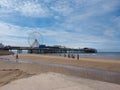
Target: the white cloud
pixel 32 9
pixel 84 13
pixel 6 40
pixel 13 35
pixel 11 30
pixel 62 7
pixel 36 8
pixel 28 8
pixel 110 32
pixel 7 6
pixel 7 3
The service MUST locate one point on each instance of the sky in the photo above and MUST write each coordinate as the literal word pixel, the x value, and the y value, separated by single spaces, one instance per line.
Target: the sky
pixel 70 23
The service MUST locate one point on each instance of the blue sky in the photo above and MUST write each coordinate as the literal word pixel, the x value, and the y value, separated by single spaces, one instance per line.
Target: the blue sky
pixel 70 23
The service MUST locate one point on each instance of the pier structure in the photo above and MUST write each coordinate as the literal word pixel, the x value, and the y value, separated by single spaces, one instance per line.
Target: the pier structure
pixel 52 49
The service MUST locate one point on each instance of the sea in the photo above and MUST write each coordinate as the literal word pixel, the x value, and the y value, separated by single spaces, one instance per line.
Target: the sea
pixel 103 55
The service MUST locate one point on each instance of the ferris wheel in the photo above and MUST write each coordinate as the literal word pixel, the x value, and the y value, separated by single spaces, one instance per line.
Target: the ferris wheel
pixel 35 39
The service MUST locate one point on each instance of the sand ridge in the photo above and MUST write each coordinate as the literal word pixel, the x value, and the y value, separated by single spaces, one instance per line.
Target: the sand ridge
pixel 55 81
pixel 8 75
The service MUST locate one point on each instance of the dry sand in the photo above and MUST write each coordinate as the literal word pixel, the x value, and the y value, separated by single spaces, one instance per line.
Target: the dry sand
pixel 54 81
pixel 10 71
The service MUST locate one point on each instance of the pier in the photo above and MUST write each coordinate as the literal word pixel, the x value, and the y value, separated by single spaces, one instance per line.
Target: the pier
pixel 51 49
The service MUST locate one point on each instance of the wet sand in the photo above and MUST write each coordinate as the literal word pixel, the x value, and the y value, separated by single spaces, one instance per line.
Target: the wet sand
pixel 12 70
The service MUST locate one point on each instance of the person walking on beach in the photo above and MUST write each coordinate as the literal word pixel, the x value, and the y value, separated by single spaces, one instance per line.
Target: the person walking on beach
pixel 77 56
pixel 64 55
pixel 68 55
pixel 72 56
pixel 17 58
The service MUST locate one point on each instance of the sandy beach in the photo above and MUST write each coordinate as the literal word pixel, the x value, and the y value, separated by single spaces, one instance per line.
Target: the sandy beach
pixel 11 71
pixel 102 64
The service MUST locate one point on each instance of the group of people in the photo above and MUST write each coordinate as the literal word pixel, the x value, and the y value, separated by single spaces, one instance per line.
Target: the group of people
pixel 72 56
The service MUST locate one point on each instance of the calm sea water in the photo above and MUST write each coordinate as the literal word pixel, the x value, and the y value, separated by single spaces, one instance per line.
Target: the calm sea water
pixel 105 55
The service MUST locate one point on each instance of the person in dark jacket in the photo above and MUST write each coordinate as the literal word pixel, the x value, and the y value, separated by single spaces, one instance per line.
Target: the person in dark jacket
pixel 78 57
pixel 17 58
